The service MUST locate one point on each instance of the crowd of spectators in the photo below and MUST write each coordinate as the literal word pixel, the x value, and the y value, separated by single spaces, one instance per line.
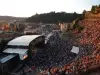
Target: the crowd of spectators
pixel 56 53
pixel 90 35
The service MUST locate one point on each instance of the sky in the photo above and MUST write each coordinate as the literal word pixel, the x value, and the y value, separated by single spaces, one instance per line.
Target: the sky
pixel 27 8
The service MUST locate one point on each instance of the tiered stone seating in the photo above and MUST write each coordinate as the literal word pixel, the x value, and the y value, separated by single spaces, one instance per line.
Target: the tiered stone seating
pixel 90 35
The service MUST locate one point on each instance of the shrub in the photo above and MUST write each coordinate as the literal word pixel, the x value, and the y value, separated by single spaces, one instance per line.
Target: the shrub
pixel 75 26
pixel 78 27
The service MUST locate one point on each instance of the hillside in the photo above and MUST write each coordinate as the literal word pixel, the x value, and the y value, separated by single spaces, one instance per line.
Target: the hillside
pixel 7 18
pixel 53 17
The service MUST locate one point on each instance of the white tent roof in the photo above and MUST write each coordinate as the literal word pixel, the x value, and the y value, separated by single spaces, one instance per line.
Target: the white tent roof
pixel 23 40
pixel 17 50
pixel 75 49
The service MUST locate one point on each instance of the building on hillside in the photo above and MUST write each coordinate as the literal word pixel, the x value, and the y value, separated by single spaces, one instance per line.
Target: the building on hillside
pixel 56 27
pixel 32 28
pixel 8 26
pixel 64 27
pixel 4 26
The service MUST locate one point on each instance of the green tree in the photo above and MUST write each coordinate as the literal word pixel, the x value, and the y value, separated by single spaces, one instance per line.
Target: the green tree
pixel 93 9
pixel 99 5
pixel 53 17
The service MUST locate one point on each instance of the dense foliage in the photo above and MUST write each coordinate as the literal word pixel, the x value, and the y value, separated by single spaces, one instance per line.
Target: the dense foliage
pixel 77 26
pixel 95 9
pixel 53 17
